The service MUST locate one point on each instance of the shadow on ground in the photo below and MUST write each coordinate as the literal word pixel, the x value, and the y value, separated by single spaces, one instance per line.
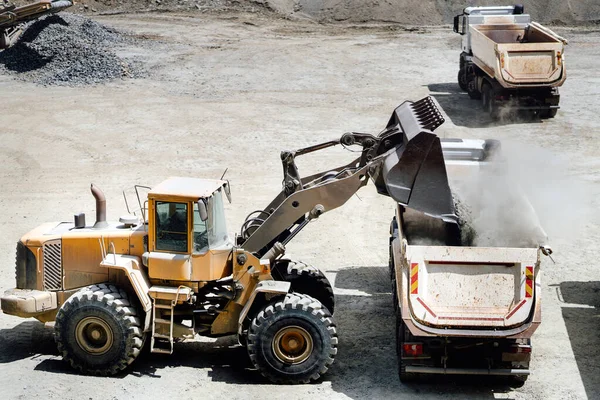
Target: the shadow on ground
pixel 583 327
pixel 464 111
pixel 365 366
pixel 26 340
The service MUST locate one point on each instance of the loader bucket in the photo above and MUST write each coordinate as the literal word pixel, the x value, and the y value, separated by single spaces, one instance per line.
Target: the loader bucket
pixel 414 172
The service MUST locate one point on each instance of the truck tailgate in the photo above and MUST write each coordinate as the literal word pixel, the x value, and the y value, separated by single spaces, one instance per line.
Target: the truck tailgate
pixel 471 286
pixel 499 51
pixel 531 62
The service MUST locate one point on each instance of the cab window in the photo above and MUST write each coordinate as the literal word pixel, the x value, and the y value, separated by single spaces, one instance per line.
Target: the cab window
pixel 171 226
pixel 200 232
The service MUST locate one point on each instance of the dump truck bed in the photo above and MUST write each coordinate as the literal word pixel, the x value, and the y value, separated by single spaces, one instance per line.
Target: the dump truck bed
pixel 519 55
pixel 448 286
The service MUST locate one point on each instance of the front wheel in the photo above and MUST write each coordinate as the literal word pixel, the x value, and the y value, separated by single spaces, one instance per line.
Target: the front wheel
pixel 306 279
pixel 98 331
pixel 293 340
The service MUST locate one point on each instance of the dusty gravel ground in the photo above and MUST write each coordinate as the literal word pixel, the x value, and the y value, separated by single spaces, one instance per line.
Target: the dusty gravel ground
pixel 231 91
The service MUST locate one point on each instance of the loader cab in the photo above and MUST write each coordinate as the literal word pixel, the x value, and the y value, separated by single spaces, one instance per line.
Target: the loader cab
pixel 187 233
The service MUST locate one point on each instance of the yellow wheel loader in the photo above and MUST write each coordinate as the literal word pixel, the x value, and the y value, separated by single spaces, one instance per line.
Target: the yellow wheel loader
pixel 174 272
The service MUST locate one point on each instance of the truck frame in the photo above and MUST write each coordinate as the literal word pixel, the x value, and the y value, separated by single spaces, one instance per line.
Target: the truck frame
pixel 509 62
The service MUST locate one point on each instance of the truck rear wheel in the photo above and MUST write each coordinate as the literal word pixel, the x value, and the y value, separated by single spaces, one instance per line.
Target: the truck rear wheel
pixel 551 113
pixel 306 279
pixel 487 99
pixel 462 79
pixel 293 340
pixel 518 380
pixel 98 331
pixel 391 265
pixel 401 336
pixel 472 90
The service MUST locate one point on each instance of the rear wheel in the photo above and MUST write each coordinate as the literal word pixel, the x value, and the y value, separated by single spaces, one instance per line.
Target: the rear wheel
pixel 551 113
pixel 393 228
pixel 391 265
pixel 305 278
pixel 98 331
pixel 293 340
pixel 472 90
pixel 518 380
pixel 462 79
pixel 401 336
pixel 487 99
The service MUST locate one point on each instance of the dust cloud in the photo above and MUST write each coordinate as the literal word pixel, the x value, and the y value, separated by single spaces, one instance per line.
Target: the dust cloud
pixel 522 198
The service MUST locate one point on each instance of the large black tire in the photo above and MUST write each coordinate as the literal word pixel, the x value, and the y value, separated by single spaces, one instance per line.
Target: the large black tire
pixel 293 340
pixel 551 113
pixel 472 90
pixel 306 279
pixel 98 331
pixel 393 228
pixel 462 79
pixel 518 381
pixel 391 263
pixel 487 100
pixel 401 337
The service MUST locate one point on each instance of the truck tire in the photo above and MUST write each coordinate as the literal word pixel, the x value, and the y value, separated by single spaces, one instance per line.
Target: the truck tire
pixel 393 228
pixel 293 340
pixel 462 79
pixel 306 279
pixel 472 90
pixel 487 99
pixel 391 265
pixel 98 331
pixel 401 336
pixel 518 380
pixel 550 113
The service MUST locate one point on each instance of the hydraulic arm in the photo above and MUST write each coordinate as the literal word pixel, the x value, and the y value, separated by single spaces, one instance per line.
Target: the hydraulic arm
pixel 404 161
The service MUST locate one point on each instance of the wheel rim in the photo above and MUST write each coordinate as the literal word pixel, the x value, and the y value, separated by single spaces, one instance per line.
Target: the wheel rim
pixel 292 345
pixel 94 335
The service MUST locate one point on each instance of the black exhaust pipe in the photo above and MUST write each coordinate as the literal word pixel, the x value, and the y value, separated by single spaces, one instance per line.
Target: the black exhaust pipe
pixel 100 207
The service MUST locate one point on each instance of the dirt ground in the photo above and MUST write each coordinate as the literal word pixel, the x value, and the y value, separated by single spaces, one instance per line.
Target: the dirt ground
pixel 231 91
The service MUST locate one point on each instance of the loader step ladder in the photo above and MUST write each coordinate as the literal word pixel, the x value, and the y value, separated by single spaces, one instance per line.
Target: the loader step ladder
pixel 161 343
pixel 164 300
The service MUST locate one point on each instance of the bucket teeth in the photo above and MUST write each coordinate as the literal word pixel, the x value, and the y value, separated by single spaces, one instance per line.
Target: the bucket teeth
pixel 427 114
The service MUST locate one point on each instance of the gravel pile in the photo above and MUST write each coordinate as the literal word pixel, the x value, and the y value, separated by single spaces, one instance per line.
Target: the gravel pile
pixel 67 49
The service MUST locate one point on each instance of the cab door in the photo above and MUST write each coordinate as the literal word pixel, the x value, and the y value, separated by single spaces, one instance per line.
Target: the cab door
pixel 170 244
pixel 210 256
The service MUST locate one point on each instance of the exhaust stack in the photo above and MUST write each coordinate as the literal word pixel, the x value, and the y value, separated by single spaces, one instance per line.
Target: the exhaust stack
pixel 100 207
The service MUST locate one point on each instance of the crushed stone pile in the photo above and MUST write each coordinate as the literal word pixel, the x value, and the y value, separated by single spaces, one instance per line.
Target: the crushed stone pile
pixel 68 49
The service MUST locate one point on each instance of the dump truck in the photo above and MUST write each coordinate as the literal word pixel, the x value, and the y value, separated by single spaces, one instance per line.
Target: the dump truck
pixel 169 270
pixel 464 308
pixel 13 19
pixel 510 62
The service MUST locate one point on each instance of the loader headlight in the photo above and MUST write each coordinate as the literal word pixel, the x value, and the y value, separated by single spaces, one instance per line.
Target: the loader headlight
pixel 26 268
